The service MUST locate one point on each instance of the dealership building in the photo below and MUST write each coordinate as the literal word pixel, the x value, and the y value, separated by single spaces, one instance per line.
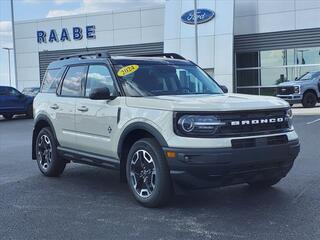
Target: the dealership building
pixel 247 45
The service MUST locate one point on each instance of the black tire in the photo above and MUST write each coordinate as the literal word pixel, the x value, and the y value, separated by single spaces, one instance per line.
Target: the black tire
pixel 157 181
pixel 54 166
pixel 291 104
pixel 30 111
pixel 8 116
pixel 264 183
pixel 309 100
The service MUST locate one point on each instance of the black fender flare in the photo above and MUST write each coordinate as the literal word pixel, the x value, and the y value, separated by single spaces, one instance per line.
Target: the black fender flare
pixel 35 131
pixel 140 126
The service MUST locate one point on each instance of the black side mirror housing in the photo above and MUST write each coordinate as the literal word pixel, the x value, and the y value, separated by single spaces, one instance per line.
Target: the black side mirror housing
pixel 224 88
pixel 100 94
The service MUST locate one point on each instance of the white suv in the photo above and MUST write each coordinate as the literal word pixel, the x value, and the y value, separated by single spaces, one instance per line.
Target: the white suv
pixel 162 122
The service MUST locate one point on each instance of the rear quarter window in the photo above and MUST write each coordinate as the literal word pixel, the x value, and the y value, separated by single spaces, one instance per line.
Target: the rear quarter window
pixel 51 80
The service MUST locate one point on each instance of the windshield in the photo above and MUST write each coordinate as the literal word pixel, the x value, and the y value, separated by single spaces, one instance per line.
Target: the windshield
pixel 309 76
pixel 155 80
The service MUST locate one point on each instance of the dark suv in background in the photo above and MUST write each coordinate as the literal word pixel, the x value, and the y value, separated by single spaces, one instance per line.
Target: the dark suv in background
pixel 13 102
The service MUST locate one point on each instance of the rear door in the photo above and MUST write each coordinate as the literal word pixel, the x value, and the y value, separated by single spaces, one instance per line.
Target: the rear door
pixel 64 105
pixel 14 100
pixel 96 120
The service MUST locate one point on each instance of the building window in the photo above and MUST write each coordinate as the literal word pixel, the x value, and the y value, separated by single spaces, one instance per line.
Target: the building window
pixel 259 72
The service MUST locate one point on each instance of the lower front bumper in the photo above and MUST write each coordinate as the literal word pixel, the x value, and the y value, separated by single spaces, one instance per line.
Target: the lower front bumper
pixel 292 99
pixel 205 168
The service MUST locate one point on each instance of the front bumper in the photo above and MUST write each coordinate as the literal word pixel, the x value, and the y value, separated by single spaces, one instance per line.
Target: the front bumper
pixel 205 168
pixel 292 98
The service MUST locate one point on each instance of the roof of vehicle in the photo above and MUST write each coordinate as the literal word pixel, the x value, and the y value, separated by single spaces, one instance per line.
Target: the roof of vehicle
pixel 157 59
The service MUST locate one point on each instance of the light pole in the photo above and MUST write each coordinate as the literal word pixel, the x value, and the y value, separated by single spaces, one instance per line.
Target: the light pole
pixel 9 49
pixel 195 15
pixel 14 45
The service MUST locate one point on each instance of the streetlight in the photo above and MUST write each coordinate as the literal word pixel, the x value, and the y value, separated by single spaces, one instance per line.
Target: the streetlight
pixel 9 49
pixel 195 14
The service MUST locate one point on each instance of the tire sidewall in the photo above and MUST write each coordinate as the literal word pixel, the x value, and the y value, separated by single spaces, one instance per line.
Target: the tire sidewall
pixel 161 171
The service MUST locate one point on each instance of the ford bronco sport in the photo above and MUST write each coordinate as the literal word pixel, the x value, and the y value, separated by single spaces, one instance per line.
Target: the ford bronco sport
pixel 162 122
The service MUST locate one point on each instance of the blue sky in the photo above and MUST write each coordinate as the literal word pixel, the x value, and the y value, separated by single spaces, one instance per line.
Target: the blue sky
pixel 35 9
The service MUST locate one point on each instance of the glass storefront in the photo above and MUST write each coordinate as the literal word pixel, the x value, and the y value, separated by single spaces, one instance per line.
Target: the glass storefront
pixel 259 72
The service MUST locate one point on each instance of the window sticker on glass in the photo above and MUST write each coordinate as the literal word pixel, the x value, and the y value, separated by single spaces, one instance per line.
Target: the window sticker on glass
pixel 127 70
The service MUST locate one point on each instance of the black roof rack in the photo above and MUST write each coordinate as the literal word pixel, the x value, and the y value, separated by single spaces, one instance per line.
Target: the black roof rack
pixel 166 55
pixel 87 54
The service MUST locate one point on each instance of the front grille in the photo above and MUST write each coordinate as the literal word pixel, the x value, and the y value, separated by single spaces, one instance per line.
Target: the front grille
pixel 286 90
pixel 247 118
pixel 243 123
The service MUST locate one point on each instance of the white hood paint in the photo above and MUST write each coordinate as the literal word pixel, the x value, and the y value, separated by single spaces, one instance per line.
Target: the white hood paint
pixel 219 102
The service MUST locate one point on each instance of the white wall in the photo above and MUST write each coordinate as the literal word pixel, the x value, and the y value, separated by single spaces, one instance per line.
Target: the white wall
pixel 135 26
pixel 258 16
pixel 215 36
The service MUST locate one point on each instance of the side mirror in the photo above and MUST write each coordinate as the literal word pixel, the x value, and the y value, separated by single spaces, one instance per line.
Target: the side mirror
pixel 100 94
pixel 224 88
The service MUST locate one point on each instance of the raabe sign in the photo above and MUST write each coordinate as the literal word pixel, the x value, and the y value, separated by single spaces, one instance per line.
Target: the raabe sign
pixel 203 15
pixel 76 33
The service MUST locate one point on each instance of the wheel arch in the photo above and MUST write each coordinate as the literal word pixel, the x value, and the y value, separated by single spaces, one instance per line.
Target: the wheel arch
pixel 40 122
pixel 131 134
pixel 311 91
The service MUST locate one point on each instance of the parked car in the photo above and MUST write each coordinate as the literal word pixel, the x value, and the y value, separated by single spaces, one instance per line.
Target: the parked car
pixel 162 122
pixel 32 91
pixel 305 90
pixel 13 102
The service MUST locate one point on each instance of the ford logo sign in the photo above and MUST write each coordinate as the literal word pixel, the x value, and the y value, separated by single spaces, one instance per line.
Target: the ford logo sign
pixel 203 15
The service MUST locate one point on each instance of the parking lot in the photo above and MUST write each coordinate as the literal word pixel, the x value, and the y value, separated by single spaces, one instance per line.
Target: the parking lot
pixel 90 203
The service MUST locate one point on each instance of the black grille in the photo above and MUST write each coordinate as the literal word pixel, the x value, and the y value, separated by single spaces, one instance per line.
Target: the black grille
pixel 285 90
pixel 263 141
pixel 245 123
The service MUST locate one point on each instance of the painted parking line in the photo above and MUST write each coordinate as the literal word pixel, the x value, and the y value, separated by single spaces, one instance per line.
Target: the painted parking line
pixel 314 121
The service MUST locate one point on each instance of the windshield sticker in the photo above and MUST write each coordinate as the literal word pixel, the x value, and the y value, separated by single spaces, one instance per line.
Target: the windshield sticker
pixel 127 70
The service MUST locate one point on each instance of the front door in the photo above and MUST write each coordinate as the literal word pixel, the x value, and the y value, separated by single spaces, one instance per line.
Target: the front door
pixel 96 120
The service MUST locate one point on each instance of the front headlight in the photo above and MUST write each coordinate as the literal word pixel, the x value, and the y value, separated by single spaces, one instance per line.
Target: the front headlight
pixel 289 116
pixel 198 125
pixel 296 89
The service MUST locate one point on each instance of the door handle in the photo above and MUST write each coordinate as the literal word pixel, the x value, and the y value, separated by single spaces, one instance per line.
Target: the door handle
pixel 54 106
pixel 83 109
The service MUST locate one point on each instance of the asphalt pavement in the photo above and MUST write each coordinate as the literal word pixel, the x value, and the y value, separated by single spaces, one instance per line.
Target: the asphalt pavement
pixel 90 203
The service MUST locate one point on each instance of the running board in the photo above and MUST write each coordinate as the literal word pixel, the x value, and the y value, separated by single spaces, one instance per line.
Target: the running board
pixel 89 158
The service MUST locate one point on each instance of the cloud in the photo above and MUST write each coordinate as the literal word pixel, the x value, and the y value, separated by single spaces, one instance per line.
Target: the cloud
pixel 60 2
pixel 88 6
pixel 5 34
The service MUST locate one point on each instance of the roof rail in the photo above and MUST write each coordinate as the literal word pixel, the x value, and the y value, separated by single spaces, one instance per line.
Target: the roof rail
pixel 166 55
pixel 87 54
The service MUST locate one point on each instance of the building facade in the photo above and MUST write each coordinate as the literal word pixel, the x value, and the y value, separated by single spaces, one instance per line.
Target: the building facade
pixel 247 45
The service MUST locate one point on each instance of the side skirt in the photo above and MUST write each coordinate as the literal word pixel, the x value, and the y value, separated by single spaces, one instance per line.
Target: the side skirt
pixel 89 158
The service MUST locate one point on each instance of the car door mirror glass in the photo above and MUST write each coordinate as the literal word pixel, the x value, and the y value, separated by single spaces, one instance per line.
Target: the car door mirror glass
pixel 224 88
pixel 100 94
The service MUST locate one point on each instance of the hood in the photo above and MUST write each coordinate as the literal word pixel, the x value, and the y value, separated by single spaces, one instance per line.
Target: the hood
pixel 219 102
pixel 291 83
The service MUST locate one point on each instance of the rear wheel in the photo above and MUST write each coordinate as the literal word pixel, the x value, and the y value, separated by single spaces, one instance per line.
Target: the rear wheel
pixel 47 157
pixel 309 100
pixel 8 116
pixel 264 183
pixel 148 174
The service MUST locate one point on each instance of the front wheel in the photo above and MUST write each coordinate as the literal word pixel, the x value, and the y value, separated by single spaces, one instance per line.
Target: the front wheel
pixel 148 173
pixel 48 160
pixel 309 100
pixel 264 183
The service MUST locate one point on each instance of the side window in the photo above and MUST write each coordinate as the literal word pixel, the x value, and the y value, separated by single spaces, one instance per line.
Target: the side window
pixel 13 92
pixel 3 91
pixel 71 85
pixel 51 80
pixel 98 77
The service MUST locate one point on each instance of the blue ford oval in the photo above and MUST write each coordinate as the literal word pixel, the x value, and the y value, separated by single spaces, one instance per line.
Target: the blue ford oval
pixel 203 15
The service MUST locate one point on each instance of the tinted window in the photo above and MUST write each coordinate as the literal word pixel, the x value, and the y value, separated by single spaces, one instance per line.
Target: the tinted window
pixel 72 82
pixel 13 92
pixel 51 80
pixel 3 91
pixel 98 77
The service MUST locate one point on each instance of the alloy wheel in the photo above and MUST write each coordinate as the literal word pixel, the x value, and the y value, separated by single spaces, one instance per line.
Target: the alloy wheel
pixel 143 173
pixel 44 151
